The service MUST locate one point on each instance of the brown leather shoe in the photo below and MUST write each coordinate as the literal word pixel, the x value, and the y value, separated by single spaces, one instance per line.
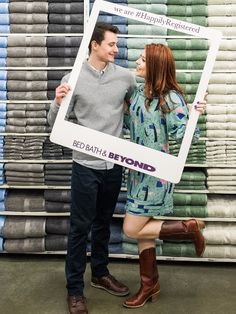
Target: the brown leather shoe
pixel 110 284
pixel 77 304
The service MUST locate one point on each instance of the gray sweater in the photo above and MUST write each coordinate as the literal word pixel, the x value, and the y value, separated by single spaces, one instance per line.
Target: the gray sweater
pixel 97 103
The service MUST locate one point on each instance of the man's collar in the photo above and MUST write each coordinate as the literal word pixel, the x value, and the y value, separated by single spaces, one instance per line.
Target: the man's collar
pixel 99 71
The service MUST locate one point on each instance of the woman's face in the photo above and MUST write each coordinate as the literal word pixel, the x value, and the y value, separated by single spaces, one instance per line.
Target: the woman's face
pixel 141 65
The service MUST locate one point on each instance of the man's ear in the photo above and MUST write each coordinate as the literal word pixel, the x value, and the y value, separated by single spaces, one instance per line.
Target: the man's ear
pixel 94 44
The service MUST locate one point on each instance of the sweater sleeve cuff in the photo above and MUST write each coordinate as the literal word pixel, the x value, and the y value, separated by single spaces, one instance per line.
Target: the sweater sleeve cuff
pixel 55 107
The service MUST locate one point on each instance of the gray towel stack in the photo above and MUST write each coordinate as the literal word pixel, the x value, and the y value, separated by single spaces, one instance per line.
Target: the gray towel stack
pixel 25 201
pixel 24 174
pixel 66 17
pixel 23 147
pixel 27 118
pixel 57 230
pixel 27 84
pixel 57 200
pixel 24 234
pixel 27 51
pixel 61 51
pixel 58 174
pixel 28 16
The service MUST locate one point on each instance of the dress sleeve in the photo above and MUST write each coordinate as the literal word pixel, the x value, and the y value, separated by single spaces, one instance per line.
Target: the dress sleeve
pixel 177 118
pixel 127 117
pixel 132 87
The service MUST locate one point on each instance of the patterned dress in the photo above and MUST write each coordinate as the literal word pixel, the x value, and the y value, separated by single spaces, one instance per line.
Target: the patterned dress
pixel 148 195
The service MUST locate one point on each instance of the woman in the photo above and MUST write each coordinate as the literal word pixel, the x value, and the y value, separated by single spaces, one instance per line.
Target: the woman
pixel 157 111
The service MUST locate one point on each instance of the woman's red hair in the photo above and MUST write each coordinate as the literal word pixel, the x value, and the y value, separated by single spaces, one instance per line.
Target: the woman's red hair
pixel 160 73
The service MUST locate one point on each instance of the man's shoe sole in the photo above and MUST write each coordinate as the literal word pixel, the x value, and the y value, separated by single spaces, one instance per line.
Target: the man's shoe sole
pixel 122 294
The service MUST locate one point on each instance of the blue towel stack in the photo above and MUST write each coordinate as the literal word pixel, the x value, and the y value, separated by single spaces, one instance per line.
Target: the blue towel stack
pixel 2 220
pixel 3 73
pixel 4 17
pixel 2 124
pixel 2 199
pixel 2 181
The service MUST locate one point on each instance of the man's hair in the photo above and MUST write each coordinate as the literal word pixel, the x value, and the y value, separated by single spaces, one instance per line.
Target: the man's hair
pixel 99 32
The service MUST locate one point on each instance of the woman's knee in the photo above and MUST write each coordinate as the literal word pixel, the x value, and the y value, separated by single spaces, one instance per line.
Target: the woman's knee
pixel 130 231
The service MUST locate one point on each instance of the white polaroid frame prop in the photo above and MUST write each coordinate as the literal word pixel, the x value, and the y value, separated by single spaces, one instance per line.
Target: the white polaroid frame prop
pixel 121 151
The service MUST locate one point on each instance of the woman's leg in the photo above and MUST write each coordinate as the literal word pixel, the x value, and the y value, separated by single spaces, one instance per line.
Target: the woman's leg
pixel 149 284
pixel 144 244
pixel 141 227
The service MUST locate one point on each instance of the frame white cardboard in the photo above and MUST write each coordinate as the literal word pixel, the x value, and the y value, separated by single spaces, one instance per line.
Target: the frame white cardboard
pixel 121 151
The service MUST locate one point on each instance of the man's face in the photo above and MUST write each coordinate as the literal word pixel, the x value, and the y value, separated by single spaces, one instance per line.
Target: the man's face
pixel 108 49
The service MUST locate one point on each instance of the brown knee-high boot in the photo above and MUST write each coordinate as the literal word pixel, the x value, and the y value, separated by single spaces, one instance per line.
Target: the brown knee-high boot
pixel 150 286
pixel 185 230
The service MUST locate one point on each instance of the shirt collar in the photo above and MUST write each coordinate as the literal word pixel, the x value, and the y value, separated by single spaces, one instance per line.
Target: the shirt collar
pixel 98 71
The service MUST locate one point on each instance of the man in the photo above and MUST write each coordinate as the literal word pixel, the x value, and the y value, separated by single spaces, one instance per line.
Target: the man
pixel 97 103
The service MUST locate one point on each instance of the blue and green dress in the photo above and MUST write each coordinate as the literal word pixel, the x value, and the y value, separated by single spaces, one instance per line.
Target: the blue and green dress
pixel 148 195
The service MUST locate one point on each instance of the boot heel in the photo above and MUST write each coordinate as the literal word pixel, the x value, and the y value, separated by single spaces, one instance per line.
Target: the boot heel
pixel 201 224
pixel 154 297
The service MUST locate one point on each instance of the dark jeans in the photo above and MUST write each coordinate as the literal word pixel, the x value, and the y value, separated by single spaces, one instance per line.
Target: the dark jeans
pixel 94 195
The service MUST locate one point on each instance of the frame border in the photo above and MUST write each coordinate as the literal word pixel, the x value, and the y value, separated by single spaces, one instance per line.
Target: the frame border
pixel 117 150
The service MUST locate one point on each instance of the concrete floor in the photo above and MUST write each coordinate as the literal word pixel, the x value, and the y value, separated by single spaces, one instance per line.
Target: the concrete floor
pixel 36 285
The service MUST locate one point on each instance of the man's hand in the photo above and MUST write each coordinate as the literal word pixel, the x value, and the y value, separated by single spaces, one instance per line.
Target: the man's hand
pixel 61 91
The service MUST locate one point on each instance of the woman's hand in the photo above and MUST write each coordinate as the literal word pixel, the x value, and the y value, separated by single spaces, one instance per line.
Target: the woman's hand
pixel 200 106
pixel 61 91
